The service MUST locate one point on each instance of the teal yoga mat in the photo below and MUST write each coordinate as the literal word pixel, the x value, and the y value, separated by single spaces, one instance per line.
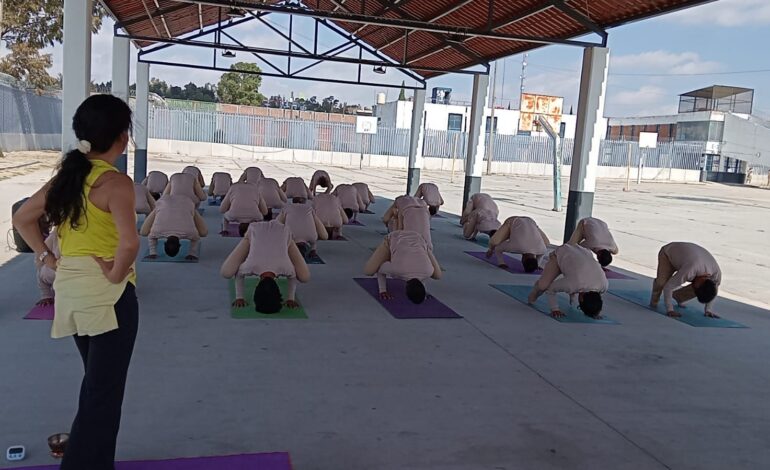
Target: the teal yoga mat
pixel 179 258
pixel 692 313
pixel 572 314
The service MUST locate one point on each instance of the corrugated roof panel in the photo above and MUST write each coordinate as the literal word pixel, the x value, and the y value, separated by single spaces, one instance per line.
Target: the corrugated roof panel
pixel 526 17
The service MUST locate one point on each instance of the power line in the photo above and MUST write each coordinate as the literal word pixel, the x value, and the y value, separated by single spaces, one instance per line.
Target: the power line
pixel 735 72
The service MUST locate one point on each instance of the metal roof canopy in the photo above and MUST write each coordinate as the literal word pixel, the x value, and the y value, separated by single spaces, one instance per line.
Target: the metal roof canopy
pixel 421 38
pixel 716 92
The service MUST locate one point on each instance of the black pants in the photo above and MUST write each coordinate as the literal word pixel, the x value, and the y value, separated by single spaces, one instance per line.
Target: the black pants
pixel 105 357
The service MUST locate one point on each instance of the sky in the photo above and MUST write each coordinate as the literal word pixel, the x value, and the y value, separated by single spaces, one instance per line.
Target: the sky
pixel 651 62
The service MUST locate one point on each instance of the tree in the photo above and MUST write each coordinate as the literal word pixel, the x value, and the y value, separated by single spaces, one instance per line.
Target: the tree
pixel 402 93
pixel 241 88
pixel 28 26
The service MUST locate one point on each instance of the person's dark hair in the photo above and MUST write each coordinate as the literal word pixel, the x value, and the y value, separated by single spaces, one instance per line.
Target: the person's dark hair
pixel 322 182
pixel 706 292
pixel 100 120
pixel 267 296
pixel 591 304
pixel 172 246
pixel 298 200
pixel 529 263
pixel 269 216
pixel 415 291
pixel 242 228
pixel 349 213
pixel 155 196
pixel 433 210
pixel 492 233
pixel 604 257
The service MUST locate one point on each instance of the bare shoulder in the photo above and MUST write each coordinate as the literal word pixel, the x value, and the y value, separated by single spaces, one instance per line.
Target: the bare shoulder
pixel 115 181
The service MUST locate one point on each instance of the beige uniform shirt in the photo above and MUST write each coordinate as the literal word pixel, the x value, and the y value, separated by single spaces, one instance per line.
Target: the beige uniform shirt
pixel 327 208
pixel 408 256
pixel 417 219
pixel 142 199
pixel 690 261
pixel 268 250
pixel 525 237
pixel 430 194
pixel 597 235
pixel 220 183
pixel 174 216
pixel 580 271
pixel 295 187
pixel 271 192
pixel 183 184
pixel 243 199
pixel 300 218
pixel 156 182
pixel 349 198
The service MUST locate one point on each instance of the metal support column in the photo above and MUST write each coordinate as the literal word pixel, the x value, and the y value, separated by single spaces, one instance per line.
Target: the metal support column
pixel 416 137
pixel 121 48
pixel 141 120
pixel 474 159
pixel 588 137
pixel 76 68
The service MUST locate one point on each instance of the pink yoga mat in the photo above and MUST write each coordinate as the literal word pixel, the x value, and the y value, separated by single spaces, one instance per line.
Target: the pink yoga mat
pixel 40 313
pixel 267 461
pixel 230 230
pixel 514 265
pixel 401 307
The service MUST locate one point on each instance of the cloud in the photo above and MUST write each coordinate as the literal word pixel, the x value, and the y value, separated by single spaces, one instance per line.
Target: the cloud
pixel 726 13
pixel 647 100
pixel 663 61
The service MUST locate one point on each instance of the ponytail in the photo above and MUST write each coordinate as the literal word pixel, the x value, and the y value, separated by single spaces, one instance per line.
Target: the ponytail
pixel 98 124
pixel 65 200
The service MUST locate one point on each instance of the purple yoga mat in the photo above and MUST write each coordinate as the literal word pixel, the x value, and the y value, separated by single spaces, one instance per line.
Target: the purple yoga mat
pixel 355 222
pixel 40 313
pixel 267 461
pixel 401 307
pixel 230 230
pixel 514 265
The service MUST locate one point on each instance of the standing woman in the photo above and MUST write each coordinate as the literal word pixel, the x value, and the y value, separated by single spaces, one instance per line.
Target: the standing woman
pixel 92 204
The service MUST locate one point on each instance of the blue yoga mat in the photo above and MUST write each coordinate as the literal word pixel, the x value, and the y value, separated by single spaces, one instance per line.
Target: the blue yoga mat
pixel 179 258
pixel 572 314
pixel 214 201
pixel 692 313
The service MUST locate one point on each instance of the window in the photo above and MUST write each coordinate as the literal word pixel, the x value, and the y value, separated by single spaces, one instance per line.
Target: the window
pixel 455 122
pixel 697 131
pixel 488 125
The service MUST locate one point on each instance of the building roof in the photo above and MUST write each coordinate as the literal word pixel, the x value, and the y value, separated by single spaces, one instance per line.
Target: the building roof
pixel 716 92
pixel 443 35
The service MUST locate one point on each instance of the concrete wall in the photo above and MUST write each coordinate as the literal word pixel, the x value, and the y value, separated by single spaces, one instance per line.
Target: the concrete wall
pixel 19 142
pixel 398 114
pixel 747 140
pixel 344 159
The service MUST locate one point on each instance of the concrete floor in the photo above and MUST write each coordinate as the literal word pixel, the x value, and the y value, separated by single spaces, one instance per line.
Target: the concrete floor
pixel 352 388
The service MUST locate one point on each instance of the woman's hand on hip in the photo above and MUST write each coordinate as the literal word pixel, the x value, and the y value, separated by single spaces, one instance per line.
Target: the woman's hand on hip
pixel 109 272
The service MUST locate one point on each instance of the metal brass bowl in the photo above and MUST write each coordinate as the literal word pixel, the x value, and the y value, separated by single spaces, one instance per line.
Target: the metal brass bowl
pixel 58 443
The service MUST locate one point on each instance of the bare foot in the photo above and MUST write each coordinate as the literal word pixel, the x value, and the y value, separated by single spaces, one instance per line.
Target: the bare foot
pixel 292 304
pixel 44 302
pixel 673 314
pixel 557 314
pixel 239 303
pixel 386 296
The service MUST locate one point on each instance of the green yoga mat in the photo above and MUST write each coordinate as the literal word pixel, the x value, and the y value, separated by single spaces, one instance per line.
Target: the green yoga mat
pixel 572 314
pixel 248 311
pixel 692 314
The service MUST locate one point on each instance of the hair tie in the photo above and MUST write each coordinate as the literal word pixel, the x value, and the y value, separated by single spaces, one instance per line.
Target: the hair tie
pixel 84 146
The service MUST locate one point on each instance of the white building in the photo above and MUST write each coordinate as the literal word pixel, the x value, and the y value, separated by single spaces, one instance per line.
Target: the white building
pixel 454 117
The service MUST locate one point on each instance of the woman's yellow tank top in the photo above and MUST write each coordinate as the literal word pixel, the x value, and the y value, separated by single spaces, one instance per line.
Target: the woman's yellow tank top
pixel 96 233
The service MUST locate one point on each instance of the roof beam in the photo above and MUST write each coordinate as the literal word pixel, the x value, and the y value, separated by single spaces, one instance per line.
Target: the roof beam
pixel 582 19
pixel 277 52
pixel 389 22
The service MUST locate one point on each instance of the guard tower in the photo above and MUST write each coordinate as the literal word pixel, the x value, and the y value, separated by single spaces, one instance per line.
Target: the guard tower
pixel 717 98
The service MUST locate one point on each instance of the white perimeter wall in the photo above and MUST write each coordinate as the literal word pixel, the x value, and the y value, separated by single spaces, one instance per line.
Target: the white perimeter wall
pixel 205 149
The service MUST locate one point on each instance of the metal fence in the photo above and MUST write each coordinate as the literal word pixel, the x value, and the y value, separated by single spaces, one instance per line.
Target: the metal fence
pixel 234 129
pixel 28 121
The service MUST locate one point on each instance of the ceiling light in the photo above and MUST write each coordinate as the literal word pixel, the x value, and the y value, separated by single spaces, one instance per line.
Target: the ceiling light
pixel 227 53
pixel 379 69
